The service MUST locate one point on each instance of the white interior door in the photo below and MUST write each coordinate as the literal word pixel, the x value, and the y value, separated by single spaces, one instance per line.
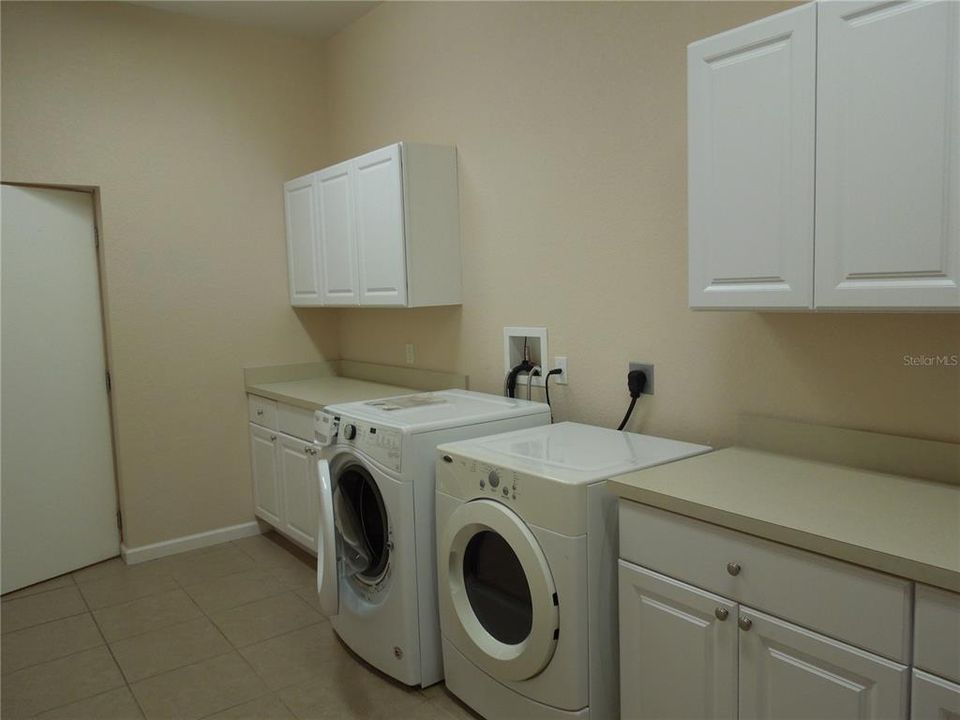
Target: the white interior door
pixel 380 236
pixel 59 498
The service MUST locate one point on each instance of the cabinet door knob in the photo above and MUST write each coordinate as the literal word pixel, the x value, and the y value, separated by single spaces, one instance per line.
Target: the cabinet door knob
pixel 745 623
pixel 733 568
pixel 259 412
pixel 721 613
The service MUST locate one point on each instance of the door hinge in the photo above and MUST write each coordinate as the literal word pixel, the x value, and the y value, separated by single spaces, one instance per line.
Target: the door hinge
pixel 109 382
pixel 96 237
pixel 119 521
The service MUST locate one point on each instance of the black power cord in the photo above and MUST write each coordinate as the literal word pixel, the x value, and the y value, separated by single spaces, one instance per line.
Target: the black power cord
pixel 546 388
pixel 636 382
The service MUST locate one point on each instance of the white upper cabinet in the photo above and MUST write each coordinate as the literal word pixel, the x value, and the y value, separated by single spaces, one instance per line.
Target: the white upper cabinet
pixel 381 251
pixel 301 225
pixel 384 231
pixel 751 96
pixel 824 161
pixel 888 155
pixel 337 245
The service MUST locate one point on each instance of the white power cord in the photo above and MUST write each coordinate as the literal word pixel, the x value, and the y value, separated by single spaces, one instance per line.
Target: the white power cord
pixel 535 370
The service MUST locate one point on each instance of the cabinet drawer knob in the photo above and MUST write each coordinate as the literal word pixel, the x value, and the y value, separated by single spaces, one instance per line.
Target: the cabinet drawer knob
pixel 260 412
pixel 745 623
pixel 721 613
pixel 272 438
pixel 733 568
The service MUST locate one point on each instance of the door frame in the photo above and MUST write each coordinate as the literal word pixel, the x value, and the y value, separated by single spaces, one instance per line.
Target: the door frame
pixel 95 196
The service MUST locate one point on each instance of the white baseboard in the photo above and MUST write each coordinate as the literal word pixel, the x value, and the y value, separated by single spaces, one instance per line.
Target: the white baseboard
pixel 134 555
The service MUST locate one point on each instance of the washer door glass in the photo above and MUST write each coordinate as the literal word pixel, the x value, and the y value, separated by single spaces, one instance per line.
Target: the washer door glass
pixel 361 520
pixel 497 587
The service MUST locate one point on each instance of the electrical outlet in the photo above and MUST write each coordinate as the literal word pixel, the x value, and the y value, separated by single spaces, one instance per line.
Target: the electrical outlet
pixel 409 351
pixel 648 369
pixel 561 362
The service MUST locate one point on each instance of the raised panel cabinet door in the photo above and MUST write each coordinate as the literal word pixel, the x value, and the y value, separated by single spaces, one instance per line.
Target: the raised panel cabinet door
pixel 789 672
pixel 380 231
pixel 266 479
pixel 337 235
pixel 678 649
pixel 298 477
pixel 933 698
pixel 888 155
pixel 751 150
pixel 300 216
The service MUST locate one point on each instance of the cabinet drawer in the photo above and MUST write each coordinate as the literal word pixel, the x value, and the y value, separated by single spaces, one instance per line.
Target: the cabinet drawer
pixel 865 608
pixel 937 632
pixel 262 411
pixel 296 421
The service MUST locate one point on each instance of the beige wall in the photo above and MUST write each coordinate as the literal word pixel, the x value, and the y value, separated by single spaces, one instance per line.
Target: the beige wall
pixel 570 122
pixel 188 128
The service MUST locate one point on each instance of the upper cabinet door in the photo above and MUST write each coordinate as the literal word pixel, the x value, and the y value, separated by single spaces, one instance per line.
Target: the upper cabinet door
pixel 301 221
pixel 751 144
pixel 337 235
pixel 380 231
pixel 888 155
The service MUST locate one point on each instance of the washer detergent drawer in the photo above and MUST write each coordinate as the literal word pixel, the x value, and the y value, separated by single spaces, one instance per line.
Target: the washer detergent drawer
pixel 862 607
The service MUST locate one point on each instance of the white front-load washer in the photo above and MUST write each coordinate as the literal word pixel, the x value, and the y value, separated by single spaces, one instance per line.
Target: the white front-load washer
pixel 526 557
pixel 376 564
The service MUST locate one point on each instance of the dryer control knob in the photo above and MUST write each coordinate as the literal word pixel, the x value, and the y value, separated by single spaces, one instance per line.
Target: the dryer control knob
pixel 494 479
pixel 349 431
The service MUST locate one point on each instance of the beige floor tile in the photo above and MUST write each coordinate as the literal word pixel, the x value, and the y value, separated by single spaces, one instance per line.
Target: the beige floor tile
pixel 450 707
pixel 116 704
pixel 41 587
pixel 309 595
pixel 116 567
pixel 270 549
pixel 191 568
pixel 125 588
pixel 48 641
pixel 296 576
pixel 58 682
pixel 265 618
pixel 146 614
pixel 295 657
pixel 158 651
pixel 199 690
pixel 268 707
pixel 20 613
pixel 227 592
pixel 350 688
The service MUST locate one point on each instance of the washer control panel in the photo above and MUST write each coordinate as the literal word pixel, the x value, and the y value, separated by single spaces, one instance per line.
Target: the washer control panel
pixel 498 482
pixel 382 444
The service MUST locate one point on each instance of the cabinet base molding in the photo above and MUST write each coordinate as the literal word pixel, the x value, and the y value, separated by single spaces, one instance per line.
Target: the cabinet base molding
pixel 134 555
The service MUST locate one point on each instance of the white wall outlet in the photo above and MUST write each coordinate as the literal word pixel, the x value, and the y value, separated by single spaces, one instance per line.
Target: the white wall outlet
pixel 409 351
pixel 560 361
pixel 535 341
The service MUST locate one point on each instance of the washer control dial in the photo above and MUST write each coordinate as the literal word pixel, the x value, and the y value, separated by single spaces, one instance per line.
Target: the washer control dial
pixel 494 479
pixel 349 431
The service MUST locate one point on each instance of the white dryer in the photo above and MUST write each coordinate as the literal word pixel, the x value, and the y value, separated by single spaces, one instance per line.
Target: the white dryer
pixel 376 564
pixel 527 557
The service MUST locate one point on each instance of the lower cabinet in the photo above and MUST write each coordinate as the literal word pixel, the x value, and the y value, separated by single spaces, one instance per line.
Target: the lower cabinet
pixel 266 478
pixel 686 653
pixel 299 490
pixel 934 698
pixel 285 481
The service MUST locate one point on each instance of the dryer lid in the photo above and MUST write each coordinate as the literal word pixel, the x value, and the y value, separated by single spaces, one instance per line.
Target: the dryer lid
pixel 574 453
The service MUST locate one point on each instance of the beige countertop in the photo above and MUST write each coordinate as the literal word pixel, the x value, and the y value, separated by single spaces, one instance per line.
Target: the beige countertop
pixel 894 524
pixel 318 392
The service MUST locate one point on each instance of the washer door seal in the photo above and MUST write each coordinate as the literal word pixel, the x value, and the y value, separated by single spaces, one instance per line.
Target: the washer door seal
pixel 498 596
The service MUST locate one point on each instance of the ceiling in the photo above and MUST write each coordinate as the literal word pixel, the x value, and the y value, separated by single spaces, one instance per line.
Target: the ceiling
pixel 315 19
